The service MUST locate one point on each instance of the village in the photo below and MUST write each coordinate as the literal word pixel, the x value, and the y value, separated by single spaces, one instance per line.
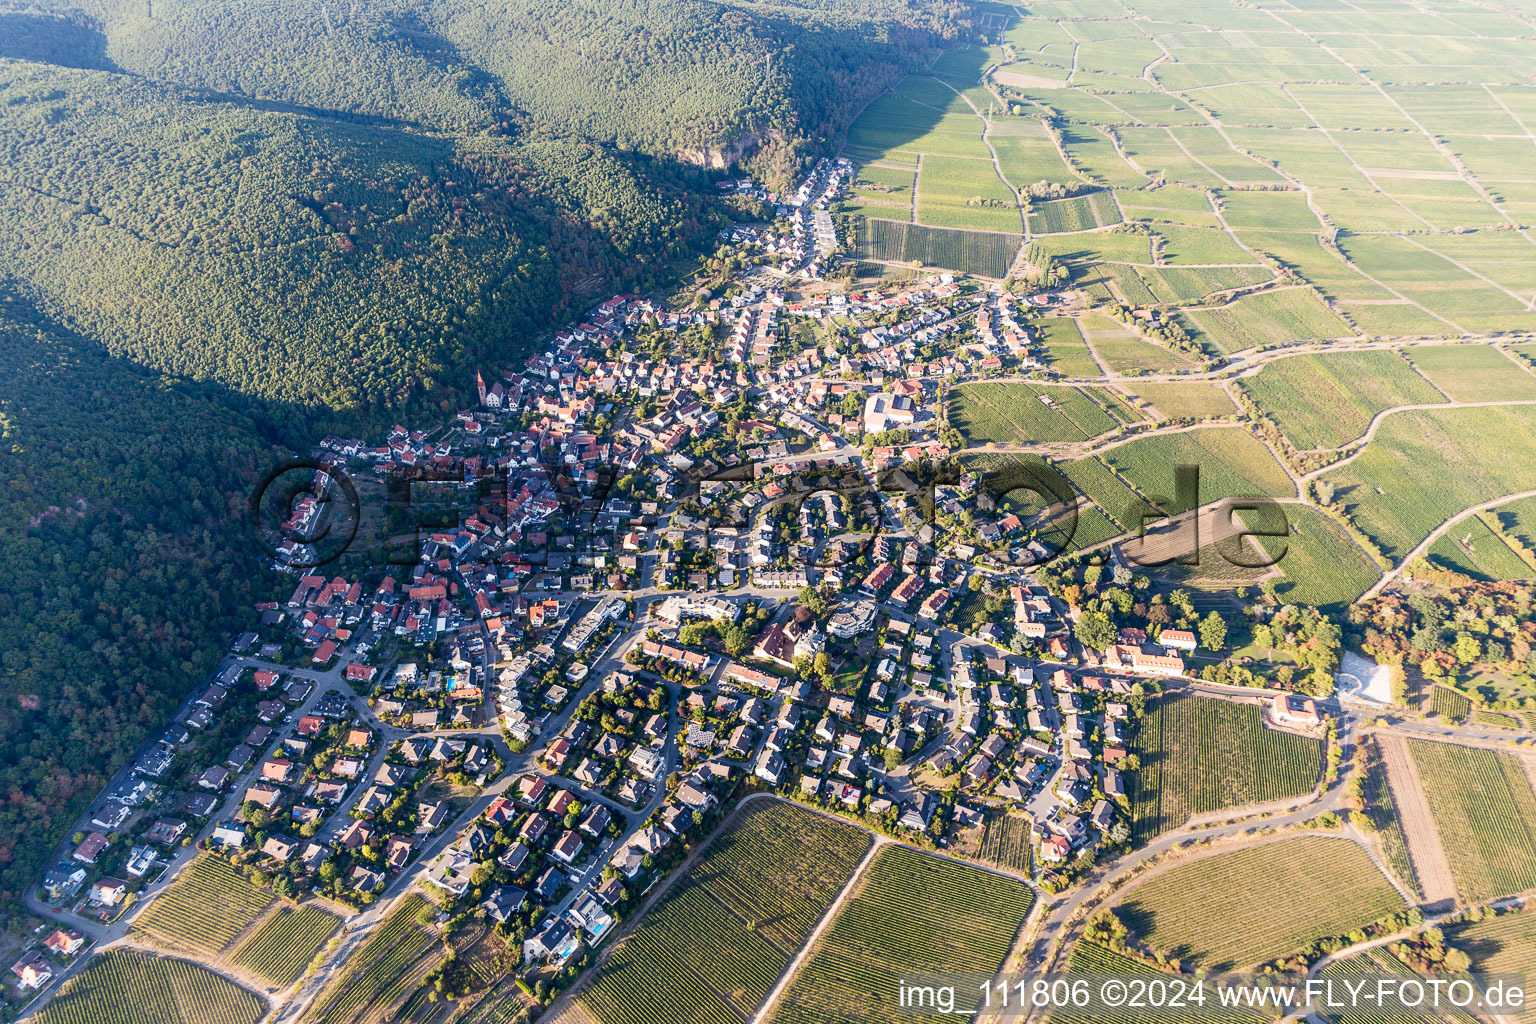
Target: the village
pixel 669 583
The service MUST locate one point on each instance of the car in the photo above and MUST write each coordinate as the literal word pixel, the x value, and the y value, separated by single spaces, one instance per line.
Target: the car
pixel 287 719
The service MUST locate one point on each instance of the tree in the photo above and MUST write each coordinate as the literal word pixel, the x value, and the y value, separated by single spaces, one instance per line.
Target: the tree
pixel 822 666
pixel 1213 632
pixel 1467 648
pixel 892 759
pixel 1094 630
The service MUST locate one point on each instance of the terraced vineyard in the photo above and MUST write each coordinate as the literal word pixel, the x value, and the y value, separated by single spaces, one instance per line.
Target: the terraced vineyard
pixel 1200 755
pixel 1485 812
pixel 286 941
pixel 126 987
pixel 1235 910
pixel 1007 841
pixel 205 909
pixel 713 947
pixel 914 912
pixel 383 971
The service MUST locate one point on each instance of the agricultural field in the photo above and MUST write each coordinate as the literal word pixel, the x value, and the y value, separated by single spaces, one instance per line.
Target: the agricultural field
pixel 1448 704
pixel 1196 400
pixel 1065 350
pixel 1473 548
pixel 1232 463
pixel 1268 318
pixel 1200 755
pixel 205 909
pixel 1079 213
pixel 1388 824
pixel 1091 958
pixel 391 962
pixel 1122 351
pixel 983 253
pixel 1319 563
pixel 1017 412
pixel 1007 841
pixel 912 911
pixel 1474 373
pixel 285 943
pixel 1228 911
pixel 1485 812
pixel 714 946
pixel 1397 489
pixel 1325 401
pixel 123 986
pixel 1500 945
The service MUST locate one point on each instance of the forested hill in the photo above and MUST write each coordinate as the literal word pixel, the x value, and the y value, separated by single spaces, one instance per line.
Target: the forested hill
pixel 125 562
pixel 678 78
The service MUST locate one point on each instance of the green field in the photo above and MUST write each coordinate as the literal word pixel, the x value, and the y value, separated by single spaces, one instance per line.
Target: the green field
pixel 205 908
pixel 1398 489
pixel 714 946
pixel 1324 401
pixel 1079 213
pixel 1472 548
pixel 912 913
pixel 1200 755
pixel 1196 400
pixel 1485 812
pixel 1017 412
pixel 1239 909
pixel 1320 564
pixel 1382 810
pixel 984 253
pixel 1447 703
pixel 1474 373
pixel 1065 350
pixel 285 943
pixel 123 986
pixel 1232 463
pixel 396 956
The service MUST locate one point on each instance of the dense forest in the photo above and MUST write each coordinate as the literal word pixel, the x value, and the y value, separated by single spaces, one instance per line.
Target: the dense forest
pixel 227 227
pixel 125 560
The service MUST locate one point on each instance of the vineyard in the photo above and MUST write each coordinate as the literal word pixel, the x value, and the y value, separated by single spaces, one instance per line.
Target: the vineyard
pixel 1376 961
pixel 1382 811
pixel 1200 755
pixel 713 947
pixel 1447 703
pixel 983 253
pixel 286 941
pixel 1006 842
pixel 1485 813
pixel 1091 958
pixel 915 912
pixel 1501 945
pixel 381 973
pixel 1234 910
pixel 205 909
pixel 126 987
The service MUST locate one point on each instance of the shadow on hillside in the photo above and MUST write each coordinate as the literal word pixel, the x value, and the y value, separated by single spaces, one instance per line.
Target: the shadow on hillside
pixel 51 39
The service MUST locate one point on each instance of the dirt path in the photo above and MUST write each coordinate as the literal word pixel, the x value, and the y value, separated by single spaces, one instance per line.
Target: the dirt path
pixel 853 886
pixel 1425 851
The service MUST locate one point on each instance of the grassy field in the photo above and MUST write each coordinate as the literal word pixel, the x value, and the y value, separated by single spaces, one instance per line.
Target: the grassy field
pixel 1200 755
pixel 1324 401
pixel 715 945
pixel 204 909
pixel 1239 909
pixel 1019 412
pixel 1123 351
pixel 986 254
pixel 1474 373
pixel 913 912
pixel 285 943
pixel 1065 350
pixel 1398 489
pixel 397 954
pixel 1501 945
pixel 1485 812
pixel 122 986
